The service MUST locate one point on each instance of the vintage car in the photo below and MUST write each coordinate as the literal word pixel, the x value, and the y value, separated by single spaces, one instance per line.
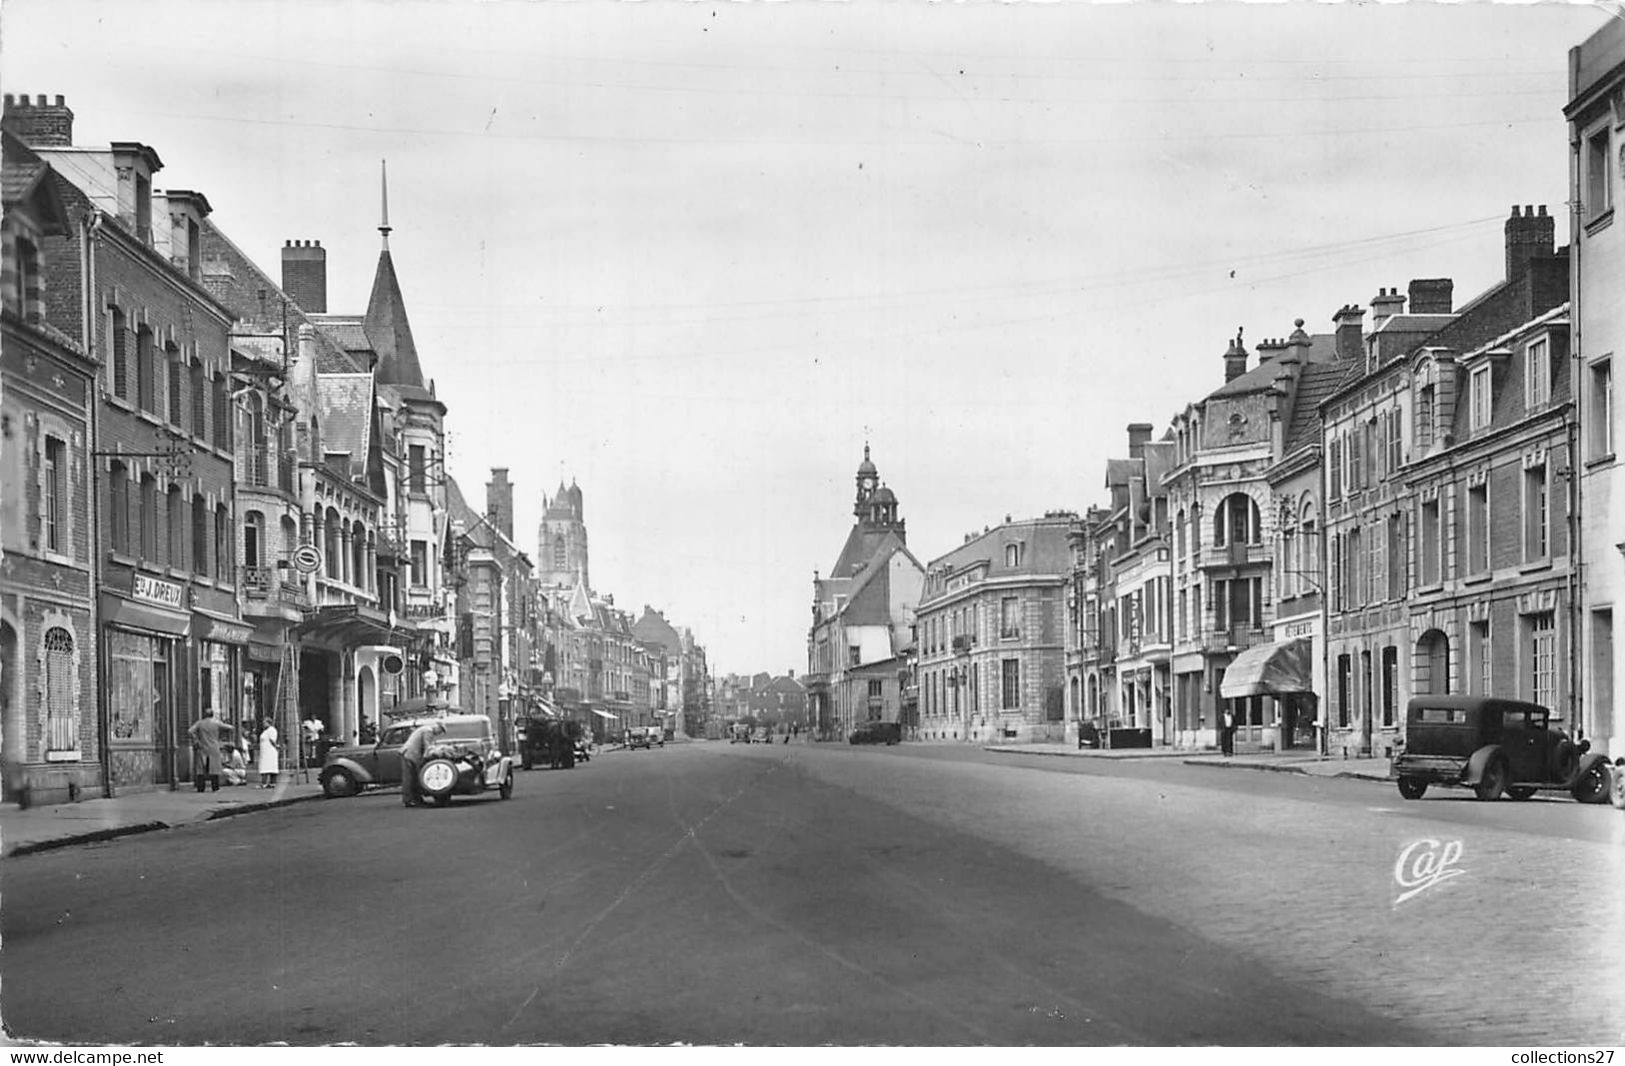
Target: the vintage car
pixel 1616 793
pixel 645 737
pixel 463 759
pixel 1494 746
pixel 876 733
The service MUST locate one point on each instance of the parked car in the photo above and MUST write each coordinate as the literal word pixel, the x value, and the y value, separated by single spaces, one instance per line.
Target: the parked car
pixel 1494 746
pixel 643 737
pixel 463 759
pixel 876 733
pixel 1088 735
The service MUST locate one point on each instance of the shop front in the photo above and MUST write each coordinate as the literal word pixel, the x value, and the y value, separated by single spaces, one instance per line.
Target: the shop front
pixel 1271 690
pixel 144 652
pixel 220 644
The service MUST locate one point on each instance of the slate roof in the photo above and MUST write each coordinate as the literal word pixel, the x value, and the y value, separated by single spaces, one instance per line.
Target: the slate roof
pixel 344 405
pixel 863 544
pixel 389 331
pixel 654 629
pixel 1315 383
pixel 1047 550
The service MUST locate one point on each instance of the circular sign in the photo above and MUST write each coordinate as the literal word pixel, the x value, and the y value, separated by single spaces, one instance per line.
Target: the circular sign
pixel 307 559
pixel 393 665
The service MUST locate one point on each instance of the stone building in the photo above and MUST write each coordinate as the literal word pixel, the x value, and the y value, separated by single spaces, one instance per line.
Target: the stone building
pixel 990 632
pixel 863 612
pixel 1596 124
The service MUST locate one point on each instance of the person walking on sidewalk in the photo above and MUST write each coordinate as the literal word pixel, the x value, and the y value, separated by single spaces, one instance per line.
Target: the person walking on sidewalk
pixel 1227 733
pixel 206 758
pixel 270 760
pixel 412 756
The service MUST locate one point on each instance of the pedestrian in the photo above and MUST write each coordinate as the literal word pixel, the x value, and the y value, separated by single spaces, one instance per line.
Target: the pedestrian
pixel 270 760
pixel 235 770
pixel 206 757
pixel 412 758
pixel 1227 733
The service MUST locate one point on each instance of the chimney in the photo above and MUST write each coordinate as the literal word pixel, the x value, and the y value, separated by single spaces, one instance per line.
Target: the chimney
pixel 1350 332
pixel 1432 296
pixel 1528 236
pixel 1235 359
pixel 1139 434
pixel 40 124
pixel 499 500
pixel 1270 349
pixel 304 274
pixel 1385 305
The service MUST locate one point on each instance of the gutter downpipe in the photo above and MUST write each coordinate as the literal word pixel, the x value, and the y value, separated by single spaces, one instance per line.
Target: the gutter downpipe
pixel 1577 382
pixel 90 232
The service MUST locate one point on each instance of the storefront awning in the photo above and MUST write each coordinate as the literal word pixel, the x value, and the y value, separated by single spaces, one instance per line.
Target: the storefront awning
pixel 606 715
pixel 1277 669
pixel 129 614
pixel 350 625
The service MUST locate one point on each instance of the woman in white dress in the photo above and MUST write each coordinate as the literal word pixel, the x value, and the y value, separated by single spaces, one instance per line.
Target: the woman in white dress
pixel 269 762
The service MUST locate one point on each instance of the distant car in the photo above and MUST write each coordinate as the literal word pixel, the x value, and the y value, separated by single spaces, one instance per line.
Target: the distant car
pixel 464 759
pixel 1494 746
pixel 1088 736
pixel 645 737
pixel 876 733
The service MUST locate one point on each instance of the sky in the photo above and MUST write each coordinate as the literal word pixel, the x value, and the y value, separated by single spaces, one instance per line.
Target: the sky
pixel 694 256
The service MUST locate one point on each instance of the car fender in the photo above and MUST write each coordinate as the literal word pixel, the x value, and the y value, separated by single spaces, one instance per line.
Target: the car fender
pixel 498 769
pixel 1587 761
pixel 356 771
pixel 1475 766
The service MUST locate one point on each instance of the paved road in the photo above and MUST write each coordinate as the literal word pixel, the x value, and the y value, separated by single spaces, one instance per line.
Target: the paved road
pixel 821 894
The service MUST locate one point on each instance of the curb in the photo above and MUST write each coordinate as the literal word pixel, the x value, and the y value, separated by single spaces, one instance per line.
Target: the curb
pixel 1289 768
pixel 1068 754
pixel 93 837
pixel 96 836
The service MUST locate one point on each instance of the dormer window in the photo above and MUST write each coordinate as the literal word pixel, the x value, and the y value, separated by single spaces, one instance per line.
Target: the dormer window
pixel 1012 555
pixel 1480 397
pixel 1537 369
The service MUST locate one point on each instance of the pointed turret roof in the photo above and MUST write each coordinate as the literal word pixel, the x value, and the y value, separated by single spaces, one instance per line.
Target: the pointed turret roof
pixel 388 330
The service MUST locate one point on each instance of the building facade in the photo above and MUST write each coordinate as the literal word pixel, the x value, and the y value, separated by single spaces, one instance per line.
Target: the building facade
pixel 990 628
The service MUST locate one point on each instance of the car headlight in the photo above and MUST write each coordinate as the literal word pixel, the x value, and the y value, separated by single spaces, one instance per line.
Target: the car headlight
pixel 439 776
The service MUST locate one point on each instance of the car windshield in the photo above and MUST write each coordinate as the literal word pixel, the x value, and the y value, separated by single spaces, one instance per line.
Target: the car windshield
pixel 465 731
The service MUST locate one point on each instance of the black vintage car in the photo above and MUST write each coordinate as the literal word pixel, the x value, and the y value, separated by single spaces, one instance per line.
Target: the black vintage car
pixel 1494 746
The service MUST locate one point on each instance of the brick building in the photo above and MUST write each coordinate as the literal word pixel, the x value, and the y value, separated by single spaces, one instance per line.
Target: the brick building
pixel 130 287
pixel 51 747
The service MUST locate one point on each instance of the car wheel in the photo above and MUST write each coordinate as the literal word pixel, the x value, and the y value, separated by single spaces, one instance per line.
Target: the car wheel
pixel 1494 781
pixel 507 786
pixel 438 777
pixel 339 784
pixel 1411 788
pixel 1616 791
pixel 1520 792
pixel 1596 781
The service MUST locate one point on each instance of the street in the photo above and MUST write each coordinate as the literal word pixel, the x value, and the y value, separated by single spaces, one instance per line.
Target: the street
pixel 811 894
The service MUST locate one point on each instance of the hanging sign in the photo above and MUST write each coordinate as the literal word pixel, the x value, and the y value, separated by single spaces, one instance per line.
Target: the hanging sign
pixel 307 558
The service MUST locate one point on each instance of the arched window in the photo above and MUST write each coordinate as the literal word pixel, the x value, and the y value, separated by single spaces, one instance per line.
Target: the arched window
pixel 61 708
pixel 1236 521
pixel 358 555
pixel 561 559
pixel 330 544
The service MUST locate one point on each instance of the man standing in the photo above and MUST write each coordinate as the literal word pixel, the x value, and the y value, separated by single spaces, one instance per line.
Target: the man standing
pixel 206 760
pixel 1227 733
pixel 412 757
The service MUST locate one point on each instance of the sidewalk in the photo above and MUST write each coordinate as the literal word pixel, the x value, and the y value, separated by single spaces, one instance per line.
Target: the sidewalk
pixel 23 832
pixel 1291 762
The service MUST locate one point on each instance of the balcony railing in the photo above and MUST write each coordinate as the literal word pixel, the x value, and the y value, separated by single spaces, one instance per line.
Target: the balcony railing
pixel 1235 554
pixel 963 644
pixel 258 581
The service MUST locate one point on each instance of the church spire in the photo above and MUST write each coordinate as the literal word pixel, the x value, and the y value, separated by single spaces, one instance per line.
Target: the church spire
pixel 383 182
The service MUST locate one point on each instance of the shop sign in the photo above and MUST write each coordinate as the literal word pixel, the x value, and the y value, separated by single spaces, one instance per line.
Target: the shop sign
pixel 228 632
pixel 425 610
pixel 150 589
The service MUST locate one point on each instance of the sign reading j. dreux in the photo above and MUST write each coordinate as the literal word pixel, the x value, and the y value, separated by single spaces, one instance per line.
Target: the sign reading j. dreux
pixel 164 593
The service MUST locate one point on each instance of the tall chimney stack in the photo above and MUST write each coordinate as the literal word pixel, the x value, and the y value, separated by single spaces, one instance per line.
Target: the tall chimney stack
pixel 1235 359
pixel 1350 332
pixel 499 500
pixel 40 124
pixel 304 274
pixel 1432 296
pixel 1528 236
